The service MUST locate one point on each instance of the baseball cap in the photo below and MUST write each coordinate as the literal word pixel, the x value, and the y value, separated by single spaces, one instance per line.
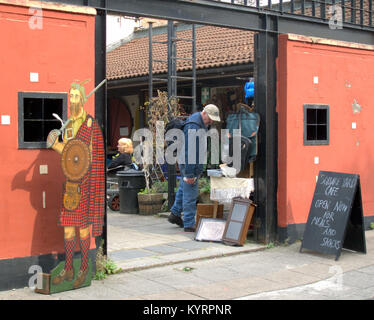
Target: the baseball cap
pixel 212 111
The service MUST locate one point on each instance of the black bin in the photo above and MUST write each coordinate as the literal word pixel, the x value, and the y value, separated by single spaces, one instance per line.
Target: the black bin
pixel 130 182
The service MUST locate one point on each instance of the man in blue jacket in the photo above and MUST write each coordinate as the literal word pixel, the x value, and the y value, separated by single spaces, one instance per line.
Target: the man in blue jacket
pixel 185 199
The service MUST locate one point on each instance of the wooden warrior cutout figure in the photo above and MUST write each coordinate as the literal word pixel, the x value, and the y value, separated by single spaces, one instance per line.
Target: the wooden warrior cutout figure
pixel 82 161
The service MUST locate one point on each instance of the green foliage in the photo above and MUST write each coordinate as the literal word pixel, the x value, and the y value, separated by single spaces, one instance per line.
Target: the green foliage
pixel 100 275
pixel 157 187
pixel 165 206
pixel 372 225
pixel 177 186
pixel 270 245
pixel 108 267
pixel 204 185
pixel 104 265
pixel 187 269
pixel 145 191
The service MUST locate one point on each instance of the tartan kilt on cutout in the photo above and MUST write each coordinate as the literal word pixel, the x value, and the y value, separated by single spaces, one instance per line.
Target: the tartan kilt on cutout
pixel 91 207
pixel 79 216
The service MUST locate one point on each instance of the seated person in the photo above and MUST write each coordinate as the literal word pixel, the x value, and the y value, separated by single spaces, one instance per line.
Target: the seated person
pixel 124 156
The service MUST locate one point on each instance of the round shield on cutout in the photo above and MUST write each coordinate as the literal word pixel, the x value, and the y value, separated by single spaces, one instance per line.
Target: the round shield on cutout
pixel 75 159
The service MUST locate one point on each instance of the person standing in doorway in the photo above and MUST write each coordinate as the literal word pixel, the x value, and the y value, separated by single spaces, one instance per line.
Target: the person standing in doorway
pixel 187 193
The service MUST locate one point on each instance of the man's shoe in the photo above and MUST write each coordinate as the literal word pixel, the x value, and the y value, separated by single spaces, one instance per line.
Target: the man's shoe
pixel 189 229
pixel 80 278
pixel 175 220
pixel 67 275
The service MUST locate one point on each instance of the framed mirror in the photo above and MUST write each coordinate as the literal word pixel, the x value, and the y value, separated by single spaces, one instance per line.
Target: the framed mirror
pixel 238 221
pixel 210 229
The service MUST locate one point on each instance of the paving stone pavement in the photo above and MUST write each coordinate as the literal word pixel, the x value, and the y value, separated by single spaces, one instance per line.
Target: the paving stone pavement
pixel 161 262
pixel 138 242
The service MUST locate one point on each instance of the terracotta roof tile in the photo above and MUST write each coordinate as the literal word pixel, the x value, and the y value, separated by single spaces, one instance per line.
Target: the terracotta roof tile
pixel 215 47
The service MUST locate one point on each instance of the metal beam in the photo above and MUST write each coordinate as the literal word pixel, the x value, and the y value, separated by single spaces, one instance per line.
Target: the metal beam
pixel 101 94
pixel 202 74
pixel 310 28
pixel 204 12
pixel 172 92
pixel 266 175
pixel 229 15
pixel 100 68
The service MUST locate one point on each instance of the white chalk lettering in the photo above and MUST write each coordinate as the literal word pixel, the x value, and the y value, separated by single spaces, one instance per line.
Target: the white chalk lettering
pixel 330 243
pixel 329 232
pixel 328 215
pixel 331 191
pixel 340 207
pixel 322 204
pixel 320 222
pixel 348 183
pixel 329 181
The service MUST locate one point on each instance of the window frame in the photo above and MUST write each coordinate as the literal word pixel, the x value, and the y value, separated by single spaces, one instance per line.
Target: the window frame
pixel 317 107
pixel 21 118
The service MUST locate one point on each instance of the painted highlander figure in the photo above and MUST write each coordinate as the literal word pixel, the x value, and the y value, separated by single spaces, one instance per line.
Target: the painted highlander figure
pixel 82 160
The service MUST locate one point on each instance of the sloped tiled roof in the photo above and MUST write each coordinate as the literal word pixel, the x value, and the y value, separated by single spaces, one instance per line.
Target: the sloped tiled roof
pixel 215 47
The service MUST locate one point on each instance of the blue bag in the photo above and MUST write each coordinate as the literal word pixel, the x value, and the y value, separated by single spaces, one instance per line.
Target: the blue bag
pixel 249 89
pixel 249 123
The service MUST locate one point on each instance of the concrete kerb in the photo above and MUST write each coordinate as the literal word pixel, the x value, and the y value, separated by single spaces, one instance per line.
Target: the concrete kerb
pixel 138 264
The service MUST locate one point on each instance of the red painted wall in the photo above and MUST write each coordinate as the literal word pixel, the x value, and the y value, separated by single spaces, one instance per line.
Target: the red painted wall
pixel 344 74
pixel 62 51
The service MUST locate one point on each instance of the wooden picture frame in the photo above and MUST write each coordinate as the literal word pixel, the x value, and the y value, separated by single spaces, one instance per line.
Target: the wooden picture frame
pixel 238 221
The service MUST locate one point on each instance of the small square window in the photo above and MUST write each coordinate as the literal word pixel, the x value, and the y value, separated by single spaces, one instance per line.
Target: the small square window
pixel 35 119
pixel 316 124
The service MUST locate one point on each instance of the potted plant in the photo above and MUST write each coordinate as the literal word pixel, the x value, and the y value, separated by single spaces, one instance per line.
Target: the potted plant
pixel 151 199
pixel 204 190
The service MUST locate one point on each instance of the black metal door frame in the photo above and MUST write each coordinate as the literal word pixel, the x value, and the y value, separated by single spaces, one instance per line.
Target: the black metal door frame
pixel 101 98
pixel 268 23
pixel 265 170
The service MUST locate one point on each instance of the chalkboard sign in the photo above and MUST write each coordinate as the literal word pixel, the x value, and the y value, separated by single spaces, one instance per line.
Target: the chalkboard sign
pixel 335 218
